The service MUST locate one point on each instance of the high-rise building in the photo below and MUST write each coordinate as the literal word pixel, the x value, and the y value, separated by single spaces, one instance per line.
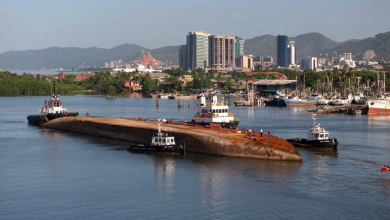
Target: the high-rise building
pixel 282 50
pixel 239 48
pixel 244 63
pixel 197 50
pixel 347 56
pixel 183 58
pixel 309 63
pixel 291 53
pixel 221 52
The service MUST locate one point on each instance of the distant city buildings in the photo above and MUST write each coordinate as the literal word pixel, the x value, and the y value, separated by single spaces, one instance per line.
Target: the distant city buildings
pixel 115 64
pixel 217 52
pixel 282 51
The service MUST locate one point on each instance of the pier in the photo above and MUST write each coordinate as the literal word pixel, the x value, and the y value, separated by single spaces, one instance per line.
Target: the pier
pixel 199 139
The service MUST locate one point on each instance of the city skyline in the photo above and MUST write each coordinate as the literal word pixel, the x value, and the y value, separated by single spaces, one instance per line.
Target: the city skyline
pixel 31 25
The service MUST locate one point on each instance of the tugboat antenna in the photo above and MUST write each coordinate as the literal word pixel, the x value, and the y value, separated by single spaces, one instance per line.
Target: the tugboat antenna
pixel 159 130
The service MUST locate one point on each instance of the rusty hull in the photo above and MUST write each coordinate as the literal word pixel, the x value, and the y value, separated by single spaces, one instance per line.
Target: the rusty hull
pixel 214 141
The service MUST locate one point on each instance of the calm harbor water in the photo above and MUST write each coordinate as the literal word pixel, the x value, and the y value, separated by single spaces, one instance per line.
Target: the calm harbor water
pixel 49 174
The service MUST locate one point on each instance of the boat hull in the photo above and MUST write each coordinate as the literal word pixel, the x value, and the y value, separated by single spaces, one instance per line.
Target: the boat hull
pixel 297 102
pixel 243 103
pixel 320 144
pixel 378 107
pixel 41 119
pixel 281 102
pixel 272 102
pixel 155 149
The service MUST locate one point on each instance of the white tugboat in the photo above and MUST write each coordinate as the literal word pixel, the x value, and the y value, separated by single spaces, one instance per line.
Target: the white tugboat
pixel 52 109
pixel 317 137
pixel 213 112
pixel 161 142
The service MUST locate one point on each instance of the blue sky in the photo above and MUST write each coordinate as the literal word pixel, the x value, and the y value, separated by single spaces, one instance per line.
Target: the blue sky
pixel 38 24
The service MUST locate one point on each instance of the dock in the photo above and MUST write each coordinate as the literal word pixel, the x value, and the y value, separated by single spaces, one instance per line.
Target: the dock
pixel 352 109
pixel 210 140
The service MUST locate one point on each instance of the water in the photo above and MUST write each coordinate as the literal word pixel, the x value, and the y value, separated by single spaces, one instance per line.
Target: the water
pixel 49 174
pixel 42 72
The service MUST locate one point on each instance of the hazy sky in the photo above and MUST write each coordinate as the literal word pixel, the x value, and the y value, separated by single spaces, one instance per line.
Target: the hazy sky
pixel 38 24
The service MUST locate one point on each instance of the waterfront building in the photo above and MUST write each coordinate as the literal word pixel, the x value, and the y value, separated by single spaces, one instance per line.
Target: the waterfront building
pixel 239 47
pixel 282 50
pixel 268 86
pixel 291 53
pixel 221 52
pixel 309 63
pixel 197 50
pixel 183 59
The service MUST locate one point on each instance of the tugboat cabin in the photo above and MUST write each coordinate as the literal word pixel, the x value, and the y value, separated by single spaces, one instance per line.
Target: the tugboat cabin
pixel 316 132
pixel 163 141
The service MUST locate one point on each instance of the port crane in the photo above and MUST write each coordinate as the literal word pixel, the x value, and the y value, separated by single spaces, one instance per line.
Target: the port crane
pixel 148 60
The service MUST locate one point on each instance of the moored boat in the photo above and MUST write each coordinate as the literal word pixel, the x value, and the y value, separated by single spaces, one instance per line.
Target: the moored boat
pixel 213 112
pixel 380 106
pixel 161 143
pixel 291 102
pixel 317 137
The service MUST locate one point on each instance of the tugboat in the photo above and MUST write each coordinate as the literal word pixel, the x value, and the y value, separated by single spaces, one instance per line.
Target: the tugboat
pixel 317 137
pixel 52 109
pixel 161 143
pixel 213 112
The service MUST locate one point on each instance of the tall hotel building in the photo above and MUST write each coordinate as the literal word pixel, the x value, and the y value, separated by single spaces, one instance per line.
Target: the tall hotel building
pixel 239 47
pixel 183 58
pixel 282 50
pixel 197 50
pixel 222 52
pixel 291 53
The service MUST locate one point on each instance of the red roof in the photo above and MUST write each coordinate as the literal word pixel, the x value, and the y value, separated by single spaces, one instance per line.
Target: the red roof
pixel 267 73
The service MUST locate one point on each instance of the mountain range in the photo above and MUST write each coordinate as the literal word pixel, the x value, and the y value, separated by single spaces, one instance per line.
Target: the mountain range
pixel 310 44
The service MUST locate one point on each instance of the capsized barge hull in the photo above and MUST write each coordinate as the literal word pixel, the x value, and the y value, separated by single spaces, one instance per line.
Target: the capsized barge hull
pixel 199 139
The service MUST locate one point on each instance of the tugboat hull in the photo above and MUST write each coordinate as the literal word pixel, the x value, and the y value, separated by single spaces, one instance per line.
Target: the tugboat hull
pixel 155 149
pixel 320 144
pixel 41 119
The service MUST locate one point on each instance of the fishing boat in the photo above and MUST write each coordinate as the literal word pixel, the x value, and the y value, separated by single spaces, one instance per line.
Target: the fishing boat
pixel 52 109
pixel 161 142
pixel 379 106
pixel 317 137
pixel 295 101
pixel 211 112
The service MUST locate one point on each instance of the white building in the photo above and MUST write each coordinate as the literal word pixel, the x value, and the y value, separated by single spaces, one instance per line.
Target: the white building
pixel 291 53
pixel 309 63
